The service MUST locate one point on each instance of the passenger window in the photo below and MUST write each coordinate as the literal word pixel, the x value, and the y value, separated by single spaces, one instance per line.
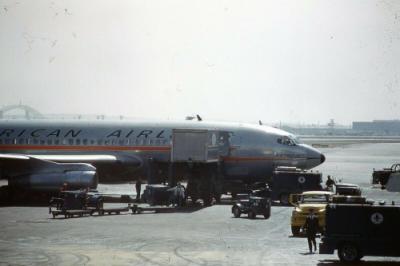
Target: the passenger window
pixel 20 141
pixel 56 141
pixel 49 141
pixel 71 141
pixel 1 141
pixel 78 141
pixel 99 141
pixel 35 141
pixel 92 142
pixel 84 141
pixel 42 142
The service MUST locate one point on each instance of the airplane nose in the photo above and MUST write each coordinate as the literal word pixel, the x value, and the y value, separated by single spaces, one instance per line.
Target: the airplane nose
pixel 322 158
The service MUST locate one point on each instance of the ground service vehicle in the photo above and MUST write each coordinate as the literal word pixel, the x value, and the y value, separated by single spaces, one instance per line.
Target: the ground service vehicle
pixel 358 230
pixel 347 189
pixel 254 205
pixel 381 176
pixel 291 180
pixel 303 203
pixel 163 195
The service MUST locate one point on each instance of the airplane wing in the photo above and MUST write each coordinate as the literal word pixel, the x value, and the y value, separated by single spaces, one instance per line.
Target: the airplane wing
pixel 77 158
pixel 26 172
pixel 85 158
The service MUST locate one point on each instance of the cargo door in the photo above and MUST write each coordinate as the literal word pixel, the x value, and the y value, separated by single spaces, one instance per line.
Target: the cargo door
pixel 189 145
pixel 199 145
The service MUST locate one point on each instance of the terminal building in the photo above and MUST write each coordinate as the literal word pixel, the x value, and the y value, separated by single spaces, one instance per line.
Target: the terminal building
pixel 378 127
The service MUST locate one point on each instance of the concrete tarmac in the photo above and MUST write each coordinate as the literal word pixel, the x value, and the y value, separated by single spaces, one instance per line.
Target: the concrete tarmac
pixel 209 236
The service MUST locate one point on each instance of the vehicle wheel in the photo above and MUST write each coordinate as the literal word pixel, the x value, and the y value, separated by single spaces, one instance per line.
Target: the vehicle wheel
pixel 284 199
pixel 267 214
pixel 348 252
pixel 251 215
pixel 236 212
pixel 296 230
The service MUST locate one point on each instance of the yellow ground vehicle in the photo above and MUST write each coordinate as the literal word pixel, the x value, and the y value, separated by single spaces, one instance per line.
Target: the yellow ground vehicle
pixel 303 203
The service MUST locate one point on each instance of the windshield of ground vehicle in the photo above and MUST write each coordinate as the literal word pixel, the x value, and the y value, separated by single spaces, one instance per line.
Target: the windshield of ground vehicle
pixel 314 198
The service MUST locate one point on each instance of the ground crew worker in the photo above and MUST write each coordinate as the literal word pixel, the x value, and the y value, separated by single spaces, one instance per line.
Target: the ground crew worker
pixel 180 194
pixel 311 227
pixel 64 187
pixel 138 186
pixel 330 182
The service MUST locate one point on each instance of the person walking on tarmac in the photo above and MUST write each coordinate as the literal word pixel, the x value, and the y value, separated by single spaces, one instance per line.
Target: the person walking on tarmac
pixel 311 227
pixel 138 187
pixel 330 182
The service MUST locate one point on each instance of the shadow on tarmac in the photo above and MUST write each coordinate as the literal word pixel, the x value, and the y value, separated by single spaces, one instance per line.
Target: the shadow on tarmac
pixel 364 263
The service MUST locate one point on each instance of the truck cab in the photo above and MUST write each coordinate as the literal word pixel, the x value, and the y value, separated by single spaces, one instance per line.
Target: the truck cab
pixel 303 203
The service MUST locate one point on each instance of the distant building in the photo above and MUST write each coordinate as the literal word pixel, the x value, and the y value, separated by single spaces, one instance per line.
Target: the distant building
pixel 378 127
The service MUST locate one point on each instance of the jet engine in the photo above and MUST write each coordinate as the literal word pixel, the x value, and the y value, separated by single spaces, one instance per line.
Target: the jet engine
pixel 76 175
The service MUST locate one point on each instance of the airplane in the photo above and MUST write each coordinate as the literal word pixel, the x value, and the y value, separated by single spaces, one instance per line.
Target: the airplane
pixel 41 155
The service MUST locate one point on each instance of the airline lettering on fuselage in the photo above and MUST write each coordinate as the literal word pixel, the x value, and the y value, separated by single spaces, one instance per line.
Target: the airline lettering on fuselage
pixel 144 133
pixel 41 132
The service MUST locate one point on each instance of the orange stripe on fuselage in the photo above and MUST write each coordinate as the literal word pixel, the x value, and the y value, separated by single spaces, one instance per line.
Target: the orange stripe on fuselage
pixel 84 148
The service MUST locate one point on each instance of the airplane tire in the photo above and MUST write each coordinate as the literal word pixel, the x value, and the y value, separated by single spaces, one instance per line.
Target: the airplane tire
pixel 194 199
pixel 207 200
pixel 217 198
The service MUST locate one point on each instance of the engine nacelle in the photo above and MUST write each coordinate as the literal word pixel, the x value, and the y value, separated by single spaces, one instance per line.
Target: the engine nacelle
pixel 52 182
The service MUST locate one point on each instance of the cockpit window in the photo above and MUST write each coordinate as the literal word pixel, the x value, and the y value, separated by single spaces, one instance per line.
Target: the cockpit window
pixel 288 140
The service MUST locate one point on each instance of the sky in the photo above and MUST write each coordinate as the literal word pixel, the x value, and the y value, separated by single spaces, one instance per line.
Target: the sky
pixel 291 61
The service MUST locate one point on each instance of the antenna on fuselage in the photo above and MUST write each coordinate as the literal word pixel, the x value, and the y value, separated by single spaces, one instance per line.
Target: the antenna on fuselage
pixel 199 118
pixel 260 122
